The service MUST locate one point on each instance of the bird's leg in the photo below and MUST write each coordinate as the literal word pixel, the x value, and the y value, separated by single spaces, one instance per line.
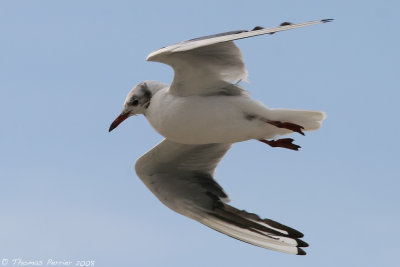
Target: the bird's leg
pixel 287 125
pixel 285 143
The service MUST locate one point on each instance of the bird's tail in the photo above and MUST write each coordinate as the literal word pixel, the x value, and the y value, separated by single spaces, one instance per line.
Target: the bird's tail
pixel 250 228
pixel 309 119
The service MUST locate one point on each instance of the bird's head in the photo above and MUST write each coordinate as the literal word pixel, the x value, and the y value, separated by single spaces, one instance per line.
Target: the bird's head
pixel 137 101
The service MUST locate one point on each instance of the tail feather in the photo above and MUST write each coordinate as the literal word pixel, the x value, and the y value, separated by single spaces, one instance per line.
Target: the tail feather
pixel 309 119
pixel 250 228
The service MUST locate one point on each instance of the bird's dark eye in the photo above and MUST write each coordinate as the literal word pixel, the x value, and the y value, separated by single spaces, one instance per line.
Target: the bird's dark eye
pixel 135 102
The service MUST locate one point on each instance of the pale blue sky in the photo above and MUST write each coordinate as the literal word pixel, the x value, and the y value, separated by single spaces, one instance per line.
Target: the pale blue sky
pixel 68 188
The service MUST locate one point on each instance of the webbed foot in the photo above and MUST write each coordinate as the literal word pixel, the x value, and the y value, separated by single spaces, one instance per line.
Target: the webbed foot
pixel 285 143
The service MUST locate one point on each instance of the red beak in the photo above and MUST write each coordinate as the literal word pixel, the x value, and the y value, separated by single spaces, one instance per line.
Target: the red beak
pixel 118 120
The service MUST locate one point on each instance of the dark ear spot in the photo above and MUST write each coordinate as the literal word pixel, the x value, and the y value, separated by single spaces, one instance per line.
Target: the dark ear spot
pixel 147 94
pixel 146 98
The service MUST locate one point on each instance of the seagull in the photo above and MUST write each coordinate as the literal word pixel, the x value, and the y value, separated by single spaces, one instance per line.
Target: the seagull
pixel 181 177
pixel 205 102
pixel 201 114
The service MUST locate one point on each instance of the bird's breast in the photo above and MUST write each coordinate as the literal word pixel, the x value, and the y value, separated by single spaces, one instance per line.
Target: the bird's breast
pixel 200 119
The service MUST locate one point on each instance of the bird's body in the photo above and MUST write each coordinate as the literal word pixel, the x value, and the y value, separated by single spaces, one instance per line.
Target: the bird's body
pixel 220 118
pixel 201 114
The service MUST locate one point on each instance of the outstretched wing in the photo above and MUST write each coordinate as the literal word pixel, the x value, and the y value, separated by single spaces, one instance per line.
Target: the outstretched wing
pixel 181 176
pixel 210 64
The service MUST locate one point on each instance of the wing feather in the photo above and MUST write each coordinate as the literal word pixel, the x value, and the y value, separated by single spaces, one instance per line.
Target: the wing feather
pixel 181 176
pixel 209 64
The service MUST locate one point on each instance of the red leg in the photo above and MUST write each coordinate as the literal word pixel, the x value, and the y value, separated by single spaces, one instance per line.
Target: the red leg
pixel 288 125
pixel 285 143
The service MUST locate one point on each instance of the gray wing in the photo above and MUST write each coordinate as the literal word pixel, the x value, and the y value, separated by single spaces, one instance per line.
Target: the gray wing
pixel 181 176
pixel 206 65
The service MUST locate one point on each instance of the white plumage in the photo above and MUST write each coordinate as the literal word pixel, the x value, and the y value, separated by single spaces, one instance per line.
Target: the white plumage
pixel 221 119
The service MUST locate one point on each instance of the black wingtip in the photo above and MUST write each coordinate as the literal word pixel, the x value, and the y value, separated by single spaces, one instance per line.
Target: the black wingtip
pixel 301 252
pixel 301 243
pixel 256 28
pixel 294 233
pixel 326 20
pixel 285 23
pixel 282 24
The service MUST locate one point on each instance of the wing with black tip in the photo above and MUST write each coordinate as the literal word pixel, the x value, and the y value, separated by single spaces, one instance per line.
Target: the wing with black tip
pixel 204 65
pixel 181 176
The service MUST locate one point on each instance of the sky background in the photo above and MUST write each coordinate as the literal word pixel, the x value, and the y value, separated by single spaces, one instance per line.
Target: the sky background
pixel 68 187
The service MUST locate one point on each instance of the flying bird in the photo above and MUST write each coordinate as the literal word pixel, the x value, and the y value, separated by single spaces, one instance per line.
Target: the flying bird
pixel 205 104
pixel 201 114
